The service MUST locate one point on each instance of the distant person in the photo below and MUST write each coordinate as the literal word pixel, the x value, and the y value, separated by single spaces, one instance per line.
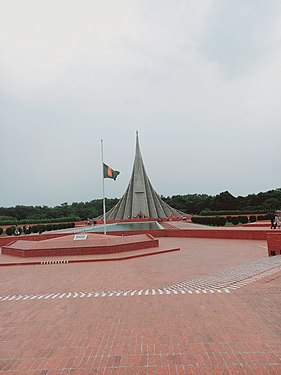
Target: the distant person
pixel 276 222
pixel 272 223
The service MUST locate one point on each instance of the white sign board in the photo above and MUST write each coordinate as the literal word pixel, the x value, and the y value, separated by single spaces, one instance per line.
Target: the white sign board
pixel 80 237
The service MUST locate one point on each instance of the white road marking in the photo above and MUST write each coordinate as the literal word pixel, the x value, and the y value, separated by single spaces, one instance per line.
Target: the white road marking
pixel 48 296
pixel 55 295
pixel 5 298
pixel 217 283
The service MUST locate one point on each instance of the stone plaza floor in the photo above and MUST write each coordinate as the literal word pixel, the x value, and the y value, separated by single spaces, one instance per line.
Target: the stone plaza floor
pixel 214 307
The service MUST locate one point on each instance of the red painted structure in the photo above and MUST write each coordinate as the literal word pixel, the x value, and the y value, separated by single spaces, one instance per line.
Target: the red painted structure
pixel 67 245
pixel 274 243
pixel 31 237
pixel 225 234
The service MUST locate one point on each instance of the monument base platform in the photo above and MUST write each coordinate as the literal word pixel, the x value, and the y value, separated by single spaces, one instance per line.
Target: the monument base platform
pixel 80 244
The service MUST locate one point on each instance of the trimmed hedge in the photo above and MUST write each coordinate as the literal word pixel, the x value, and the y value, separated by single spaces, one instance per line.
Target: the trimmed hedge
pixel 217 221
pixel 234 220
pixel 10 231
pixel 221 221
pixel 243 219
pixel 262 217
pixel 1 231
pixel 34 229
pixel 37 228
pixel 40 221
pixel 233 212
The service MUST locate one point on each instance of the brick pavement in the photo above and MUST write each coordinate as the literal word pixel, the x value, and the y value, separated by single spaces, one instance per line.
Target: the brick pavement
pixel 205 333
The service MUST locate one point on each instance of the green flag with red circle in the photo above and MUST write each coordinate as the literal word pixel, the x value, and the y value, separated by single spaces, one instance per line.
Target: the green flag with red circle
pixel 108 172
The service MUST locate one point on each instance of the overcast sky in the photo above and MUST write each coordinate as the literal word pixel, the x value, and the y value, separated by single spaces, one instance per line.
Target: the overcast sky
pixel 199 79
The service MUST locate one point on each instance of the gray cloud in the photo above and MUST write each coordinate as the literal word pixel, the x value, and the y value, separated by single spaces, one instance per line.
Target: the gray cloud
pixel 71 75
pixel 238 34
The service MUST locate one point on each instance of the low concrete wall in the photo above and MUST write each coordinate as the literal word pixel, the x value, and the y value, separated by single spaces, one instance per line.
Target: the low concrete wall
pixel 274 243
pixel 83 250
pixel 237 234
pixel 242 234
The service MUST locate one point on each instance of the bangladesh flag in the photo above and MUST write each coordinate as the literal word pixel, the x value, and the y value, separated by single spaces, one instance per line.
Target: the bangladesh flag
pixel 109 173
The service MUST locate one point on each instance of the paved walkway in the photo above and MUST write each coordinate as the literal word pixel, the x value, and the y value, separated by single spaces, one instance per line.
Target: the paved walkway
pixel 211 308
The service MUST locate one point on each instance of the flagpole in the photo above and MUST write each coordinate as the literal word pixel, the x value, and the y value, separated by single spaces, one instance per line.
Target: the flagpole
pixel 104 219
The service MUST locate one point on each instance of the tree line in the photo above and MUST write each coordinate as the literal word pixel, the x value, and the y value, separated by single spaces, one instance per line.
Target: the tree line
pixel 190 204
pixel 226 202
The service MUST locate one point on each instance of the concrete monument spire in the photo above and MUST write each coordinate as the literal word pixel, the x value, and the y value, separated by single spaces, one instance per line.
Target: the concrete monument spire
pixel 140 199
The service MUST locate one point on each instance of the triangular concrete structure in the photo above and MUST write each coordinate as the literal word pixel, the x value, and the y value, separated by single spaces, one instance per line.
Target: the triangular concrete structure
pixel 140 199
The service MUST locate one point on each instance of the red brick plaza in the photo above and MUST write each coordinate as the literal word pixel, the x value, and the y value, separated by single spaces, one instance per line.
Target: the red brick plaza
pixel 214 307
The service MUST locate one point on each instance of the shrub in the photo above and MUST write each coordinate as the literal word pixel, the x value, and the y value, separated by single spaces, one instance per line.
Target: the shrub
pixel 231 212
pixel 205 220
pixel 50 227
pixel 10 231
pixel 229 219
pixel 41 228
pixel 262 217
pixel 243 219
pixel 222 221
pixel 1 231
pixel 234 220
pixel 253 219
pixel 35 229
